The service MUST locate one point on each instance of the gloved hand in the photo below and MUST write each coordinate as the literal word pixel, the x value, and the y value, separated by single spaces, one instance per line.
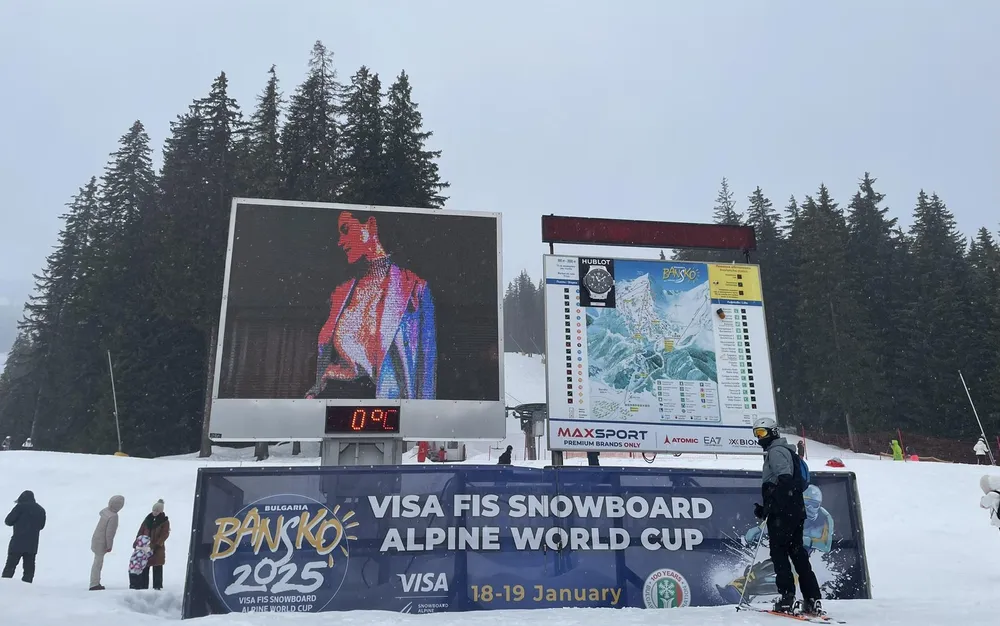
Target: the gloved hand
pixel 807 541
pixel 752 534
pixel 759 511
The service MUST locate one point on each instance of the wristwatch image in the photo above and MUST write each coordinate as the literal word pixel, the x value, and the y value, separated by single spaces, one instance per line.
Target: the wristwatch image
pixel 598 282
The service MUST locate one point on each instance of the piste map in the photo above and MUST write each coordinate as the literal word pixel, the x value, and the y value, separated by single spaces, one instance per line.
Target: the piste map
pixel 660 330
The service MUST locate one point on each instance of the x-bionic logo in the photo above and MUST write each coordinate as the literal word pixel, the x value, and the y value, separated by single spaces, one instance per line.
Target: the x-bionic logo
pixel 742 443
pixel 602 433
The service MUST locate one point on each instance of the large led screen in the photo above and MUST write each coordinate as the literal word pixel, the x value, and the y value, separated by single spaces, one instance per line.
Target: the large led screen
pixel 329 304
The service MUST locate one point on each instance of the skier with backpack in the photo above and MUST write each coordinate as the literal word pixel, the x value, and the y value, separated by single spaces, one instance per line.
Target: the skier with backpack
pixel 784 478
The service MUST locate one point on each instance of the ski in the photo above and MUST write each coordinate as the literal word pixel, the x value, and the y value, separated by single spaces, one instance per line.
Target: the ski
pixel 815 619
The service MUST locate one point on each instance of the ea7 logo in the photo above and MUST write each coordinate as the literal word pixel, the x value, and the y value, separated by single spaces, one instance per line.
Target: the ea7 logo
pixel 712 441
pixel 602 433
pixel 423 582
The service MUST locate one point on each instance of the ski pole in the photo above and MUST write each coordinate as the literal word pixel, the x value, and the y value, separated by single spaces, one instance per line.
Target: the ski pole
pixel 746 581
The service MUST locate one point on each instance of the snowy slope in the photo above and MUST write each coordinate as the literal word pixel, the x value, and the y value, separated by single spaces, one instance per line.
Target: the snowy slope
pixel 932 554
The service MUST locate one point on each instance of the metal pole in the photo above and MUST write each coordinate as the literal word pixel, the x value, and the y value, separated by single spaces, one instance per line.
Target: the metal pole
pixel 114 397
pixel 978 421
pixel 836 345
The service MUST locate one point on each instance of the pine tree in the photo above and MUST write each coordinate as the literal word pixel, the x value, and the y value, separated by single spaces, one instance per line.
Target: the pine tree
pixel 58 326
pixel 877 283
pixel 412 177
pixel 725 207
pixel 982 363
pixel 724 212
pixel 128 190
pixel 262 175
pixel 364 140
pixel 311 136
pixel 779 306
pixel 840 388
pixel 791 214
pixel 765 221
pixel 19 389
pixel 935 324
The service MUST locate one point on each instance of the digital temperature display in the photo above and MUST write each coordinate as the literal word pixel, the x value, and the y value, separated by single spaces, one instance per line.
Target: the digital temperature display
pixel 362 419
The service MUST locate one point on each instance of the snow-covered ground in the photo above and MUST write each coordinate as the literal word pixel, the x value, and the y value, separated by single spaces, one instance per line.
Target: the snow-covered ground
pixel 933 558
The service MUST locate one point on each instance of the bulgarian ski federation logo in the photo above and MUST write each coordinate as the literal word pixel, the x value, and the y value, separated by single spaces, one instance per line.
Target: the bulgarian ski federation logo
pixel 666 589
pixel 285 553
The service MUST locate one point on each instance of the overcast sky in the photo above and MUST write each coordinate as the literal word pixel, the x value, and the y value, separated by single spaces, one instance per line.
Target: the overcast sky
pixel 623 108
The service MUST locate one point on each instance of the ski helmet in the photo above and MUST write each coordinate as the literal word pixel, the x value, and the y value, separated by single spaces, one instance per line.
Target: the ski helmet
pixel 764 428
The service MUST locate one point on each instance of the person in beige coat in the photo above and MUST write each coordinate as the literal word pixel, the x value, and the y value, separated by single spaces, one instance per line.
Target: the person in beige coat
pixel 104 539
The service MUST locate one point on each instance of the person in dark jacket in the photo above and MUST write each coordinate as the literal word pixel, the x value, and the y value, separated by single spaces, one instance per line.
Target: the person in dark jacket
pixel 156 526
pixel 28 519
pixel 785 511
pixel 505 457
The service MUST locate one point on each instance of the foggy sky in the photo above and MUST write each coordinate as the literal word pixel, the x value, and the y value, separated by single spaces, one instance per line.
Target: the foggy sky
pixel 632 108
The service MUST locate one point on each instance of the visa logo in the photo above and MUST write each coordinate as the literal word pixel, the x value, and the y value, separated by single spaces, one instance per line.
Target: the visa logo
pixel 423 582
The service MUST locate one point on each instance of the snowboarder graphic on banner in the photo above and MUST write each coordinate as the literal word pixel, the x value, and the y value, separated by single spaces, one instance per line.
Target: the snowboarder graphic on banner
pixel 784 511
pixel 981 449
pixel 759 578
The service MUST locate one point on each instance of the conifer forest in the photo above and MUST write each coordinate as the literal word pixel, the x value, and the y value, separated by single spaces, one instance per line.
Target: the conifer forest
pixel 138 269
pixel 866 321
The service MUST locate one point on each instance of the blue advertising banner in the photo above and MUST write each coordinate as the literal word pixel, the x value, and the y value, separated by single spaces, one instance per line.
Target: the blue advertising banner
pixel 419 539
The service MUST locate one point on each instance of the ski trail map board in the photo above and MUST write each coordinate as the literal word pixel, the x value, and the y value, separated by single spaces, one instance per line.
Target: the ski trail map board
pixel 655 355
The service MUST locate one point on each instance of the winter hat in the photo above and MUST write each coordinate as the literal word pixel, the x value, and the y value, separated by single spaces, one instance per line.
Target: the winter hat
pixel 158 507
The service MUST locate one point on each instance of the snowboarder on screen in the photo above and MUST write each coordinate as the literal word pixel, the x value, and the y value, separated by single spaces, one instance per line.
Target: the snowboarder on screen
pixel 784 513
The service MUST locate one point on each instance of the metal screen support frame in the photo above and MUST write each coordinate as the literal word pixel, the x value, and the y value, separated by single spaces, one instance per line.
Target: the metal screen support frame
pixel 355 451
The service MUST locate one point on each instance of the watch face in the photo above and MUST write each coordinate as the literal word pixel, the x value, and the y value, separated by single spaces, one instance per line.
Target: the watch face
pixel 598 280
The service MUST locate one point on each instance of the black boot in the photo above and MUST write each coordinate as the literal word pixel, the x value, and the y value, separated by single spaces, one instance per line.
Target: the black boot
pixel 813 607
pixel 785 604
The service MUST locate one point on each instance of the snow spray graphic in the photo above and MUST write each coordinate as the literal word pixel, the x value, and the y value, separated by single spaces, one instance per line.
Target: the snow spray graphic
pixel 831 561
pixel 285 553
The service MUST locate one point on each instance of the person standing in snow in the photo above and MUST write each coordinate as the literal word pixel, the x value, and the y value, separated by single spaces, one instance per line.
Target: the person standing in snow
pixel 104 539
pixel 28 519
pixel 981 449
pixel 991 497
pixel 785 513
pixel 156 526
pixel 505 457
